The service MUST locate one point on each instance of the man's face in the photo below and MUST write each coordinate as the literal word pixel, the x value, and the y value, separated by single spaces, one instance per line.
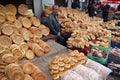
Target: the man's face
pixel 55 9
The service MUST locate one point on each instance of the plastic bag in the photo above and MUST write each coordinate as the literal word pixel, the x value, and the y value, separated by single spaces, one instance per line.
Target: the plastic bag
pixel 87 73
pixel 71 75
pixel 102 70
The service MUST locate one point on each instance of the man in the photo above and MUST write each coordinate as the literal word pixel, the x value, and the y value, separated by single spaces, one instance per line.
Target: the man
pixel 118 8
pixel 91 9
pixel 105 12
pixel 76 4
pixel 54 26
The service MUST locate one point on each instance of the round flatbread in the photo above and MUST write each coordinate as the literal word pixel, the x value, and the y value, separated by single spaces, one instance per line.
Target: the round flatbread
pixel 24 46
pixel 29 54
pixel 26 22
pixel 28 77
pixel 2 9
pixel 9 58
pixel 11 8
pixel 22 8
pixel 17 38
pixel 5 41
pixel 45 31
pixel 26 34
pixel 37 33
pixel 2 17
pixel 17 53
pixel 17 24
pixel 35 21
pixel 7 29
pixel 10 16
pixel 28 67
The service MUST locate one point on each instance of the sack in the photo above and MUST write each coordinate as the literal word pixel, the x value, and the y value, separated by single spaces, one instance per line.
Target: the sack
pixel 71 75
pixel 102 70
pixel 87 73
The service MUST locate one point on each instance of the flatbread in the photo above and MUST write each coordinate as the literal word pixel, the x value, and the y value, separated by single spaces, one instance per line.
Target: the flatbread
pixel 22 8
pixel 7 29
pixel 26 22
pixel 17 38
pixel 35 21
pixel 11 8
pixel 17 24
pixel 5 41
pixel 10 16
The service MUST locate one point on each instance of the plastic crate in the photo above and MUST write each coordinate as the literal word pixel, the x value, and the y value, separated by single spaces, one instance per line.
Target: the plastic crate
pixel 116 60
pixel 114 44
pixel 97 59
pixel 115 69
pixel 118 23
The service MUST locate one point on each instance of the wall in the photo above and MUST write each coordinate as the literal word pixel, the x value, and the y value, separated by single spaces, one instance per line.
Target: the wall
pixel 45 2
pixel 37 8
pixel 48 1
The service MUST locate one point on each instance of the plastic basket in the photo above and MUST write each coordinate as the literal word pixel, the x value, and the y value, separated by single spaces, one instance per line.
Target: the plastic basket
pixel 118 23
pixel 114 44
pixel 116 60
pixel 115 70
pixel 97 59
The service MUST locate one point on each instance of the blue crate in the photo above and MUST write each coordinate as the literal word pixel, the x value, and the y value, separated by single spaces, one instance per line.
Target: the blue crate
pixel 111 59
pixel 115 70
pixel 118 23
pixel 114 44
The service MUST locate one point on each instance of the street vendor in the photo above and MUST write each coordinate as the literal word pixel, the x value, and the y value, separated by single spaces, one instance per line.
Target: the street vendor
pixel 54 26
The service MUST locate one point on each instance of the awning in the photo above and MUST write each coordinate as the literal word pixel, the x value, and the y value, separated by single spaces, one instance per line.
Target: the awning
pixel 111 1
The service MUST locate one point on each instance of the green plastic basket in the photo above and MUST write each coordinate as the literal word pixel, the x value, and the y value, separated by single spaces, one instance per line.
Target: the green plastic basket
pixel 97 59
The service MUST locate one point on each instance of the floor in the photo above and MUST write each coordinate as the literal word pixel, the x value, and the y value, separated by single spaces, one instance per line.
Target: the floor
pixel 111 77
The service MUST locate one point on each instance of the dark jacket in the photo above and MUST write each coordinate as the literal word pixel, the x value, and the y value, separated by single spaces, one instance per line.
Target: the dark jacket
pixel 105 8
pixel 118 8
pixel 54 25
pixel 75 5
pixel 91 10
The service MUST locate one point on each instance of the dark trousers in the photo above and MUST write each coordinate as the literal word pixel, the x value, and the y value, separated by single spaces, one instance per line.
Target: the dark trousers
pixel 63 38
pixel 105 16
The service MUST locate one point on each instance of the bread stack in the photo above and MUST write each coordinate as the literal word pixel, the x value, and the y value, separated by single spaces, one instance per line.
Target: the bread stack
pixel 62 63
pixel 14 72
pixel 84 29
pixel 2 65
pixel 3 76
pixel 24 71
pixel 38 46
pixel 110 24
pixel 8 18
pixel 15 33
pixel 116 36
pixel 102 41
pixel 80 39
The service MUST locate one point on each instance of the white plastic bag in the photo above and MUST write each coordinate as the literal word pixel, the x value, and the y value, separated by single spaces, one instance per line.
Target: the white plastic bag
pixel 71 75
pixel 102 70
pixel 87 73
